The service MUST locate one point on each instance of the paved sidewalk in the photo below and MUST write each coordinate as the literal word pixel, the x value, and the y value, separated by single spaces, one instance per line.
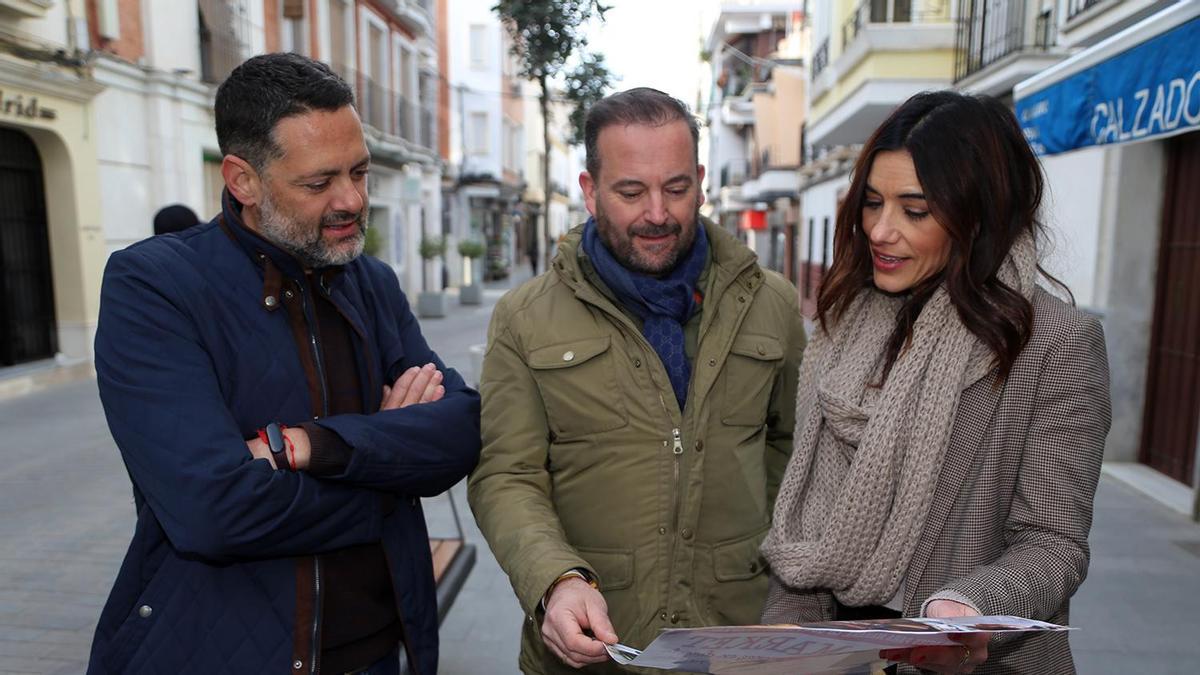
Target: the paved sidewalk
pixel 66 515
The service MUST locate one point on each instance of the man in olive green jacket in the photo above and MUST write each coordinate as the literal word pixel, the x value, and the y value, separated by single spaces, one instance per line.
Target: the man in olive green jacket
pixel 638 405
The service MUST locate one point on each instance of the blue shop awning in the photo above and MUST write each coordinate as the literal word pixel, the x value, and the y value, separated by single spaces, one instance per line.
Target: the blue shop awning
pixel 1141 83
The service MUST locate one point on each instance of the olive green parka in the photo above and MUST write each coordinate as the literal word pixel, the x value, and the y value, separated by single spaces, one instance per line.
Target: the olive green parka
pixel 588 462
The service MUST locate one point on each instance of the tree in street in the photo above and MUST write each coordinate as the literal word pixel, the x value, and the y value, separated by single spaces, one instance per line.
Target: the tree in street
pixel 546 34
pixel 586 85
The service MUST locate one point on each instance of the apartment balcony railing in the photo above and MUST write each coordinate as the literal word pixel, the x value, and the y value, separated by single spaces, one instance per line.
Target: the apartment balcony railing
pixel 891 12
pixel 989 31
pixel 224 26
pixel 394 114
pixel 1077 7
pixel 735 172
pixel 820 58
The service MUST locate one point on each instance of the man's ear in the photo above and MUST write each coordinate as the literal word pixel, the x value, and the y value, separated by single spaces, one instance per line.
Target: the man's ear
pixel 588 185
pixel 243 181
pixel 700 185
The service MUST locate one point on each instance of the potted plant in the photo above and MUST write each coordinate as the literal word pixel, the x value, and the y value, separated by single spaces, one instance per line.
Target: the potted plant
pixel 471 292
pixel 430 303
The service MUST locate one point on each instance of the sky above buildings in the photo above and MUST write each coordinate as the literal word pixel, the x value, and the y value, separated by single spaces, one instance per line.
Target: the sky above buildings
pixel 655 43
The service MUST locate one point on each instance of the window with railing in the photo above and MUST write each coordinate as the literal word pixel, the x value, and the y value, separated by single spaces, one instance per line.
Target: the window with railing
pixel 391 112
pixel 989 30
pixel 820 58
pixel 224 27
pixel 734 172
pixel 1077 7
pixel 891 12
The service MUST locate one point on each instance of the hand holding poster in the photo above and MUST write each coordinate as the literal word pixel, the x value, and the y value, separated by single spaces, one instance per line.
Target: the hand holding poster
pixel 814 648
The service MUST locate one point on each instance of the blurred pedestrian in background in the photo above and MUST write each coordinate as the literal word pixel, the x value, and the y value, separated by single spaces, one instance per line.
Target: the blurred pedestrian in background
pixel 174 218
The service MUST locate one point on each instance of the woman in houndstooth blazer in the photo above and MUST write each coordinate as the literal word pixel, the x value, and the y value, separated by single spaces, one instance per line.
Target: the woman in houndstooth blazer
pixel 952 413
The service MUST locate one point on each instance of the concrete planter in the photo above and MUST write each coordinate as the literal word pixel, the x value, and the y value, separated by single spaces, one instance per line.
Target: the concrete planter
pixel 470 295
pixel 431 304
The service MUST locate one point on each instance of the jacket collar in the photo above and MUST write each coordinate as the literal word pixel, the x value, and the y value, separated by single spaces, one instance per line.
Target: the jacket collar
pixel 731 261
pixel 263 251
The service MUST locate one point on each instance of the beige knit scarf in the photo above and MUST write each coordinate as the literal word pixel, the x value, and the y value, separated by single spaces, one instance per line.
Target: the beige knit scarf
pixel 855 495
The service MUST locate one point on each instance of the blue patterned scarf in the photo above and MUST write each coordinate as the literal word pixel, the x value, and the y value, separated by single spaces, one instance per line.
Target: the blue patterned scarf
pixel 663 305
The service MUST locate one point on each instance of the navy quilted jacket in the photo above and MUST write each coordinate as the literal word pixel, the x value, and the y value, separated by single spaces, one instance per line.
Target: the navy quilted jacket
pixel 190 360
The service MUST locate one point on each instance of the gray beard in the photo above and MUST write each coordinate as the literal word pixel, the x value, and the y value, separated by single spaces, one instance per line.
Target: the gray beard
pixel 305 242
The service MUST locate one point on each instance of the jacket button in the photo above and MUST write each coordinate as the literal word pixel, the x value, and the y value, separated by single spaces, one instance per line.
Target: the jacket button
pixel 712 362
pixel 270 301
pixel 663 616
pixel 145 611
pixel 569 356
pixel 662 530
pixel 637 363
pixel 762 351
pixel 675 617
pixel 686 533
pixel 753 567
pixel 289 295
pixel 297 664
pixel 741 298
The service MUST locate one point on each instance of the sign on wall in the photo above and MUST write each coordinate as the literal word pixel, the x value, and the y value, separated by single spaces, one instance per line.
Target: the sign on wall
pixel 1149 90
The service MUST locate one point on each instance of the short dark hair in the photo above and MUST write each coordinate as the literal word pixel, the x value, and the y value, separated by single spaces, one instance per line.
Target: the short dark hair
pixel 265 89
pixel 983 184
pixel 642 105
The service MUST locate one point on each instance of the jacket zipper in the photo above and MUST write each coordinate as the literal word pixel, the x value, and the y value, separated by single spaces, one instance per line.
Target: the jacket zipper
pixel 677 452
pixel 677 449
pixel 316 353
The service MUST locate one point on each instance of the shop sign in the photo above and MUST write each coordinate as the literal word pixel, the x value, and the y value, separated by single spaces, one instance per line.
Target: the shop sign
pixel 1149 90
pixel 17 105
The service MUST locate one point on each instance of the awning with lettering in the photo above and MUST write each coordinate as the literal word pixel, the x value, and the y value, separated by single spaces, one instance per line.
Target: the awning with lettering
pixel 1142 83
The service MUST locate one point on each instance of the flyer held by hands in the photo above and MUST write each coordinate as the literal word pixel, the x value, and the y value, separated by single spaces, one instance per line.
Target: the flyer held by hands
pixel 826 648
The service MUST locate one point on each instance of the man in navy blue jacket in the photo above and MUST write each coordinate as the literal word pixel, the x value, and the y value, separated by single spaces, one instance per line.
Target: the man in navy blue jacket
pixel 278 411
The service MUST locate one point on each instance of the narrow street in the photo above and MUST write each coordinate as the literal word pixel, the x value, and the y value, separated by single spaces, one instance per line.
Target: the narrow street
pixel 66 516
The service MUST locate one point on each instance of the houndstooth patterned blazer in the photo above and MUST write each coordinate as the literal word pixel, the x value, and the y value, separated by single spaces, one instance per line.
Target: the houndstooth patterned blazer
pixel 1008 527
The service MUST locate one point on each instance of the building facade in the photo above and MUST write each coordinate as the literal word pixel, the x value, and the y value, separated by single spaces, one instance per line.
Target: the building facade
pixel 106 106
pixel 1117 126
pixel 756 112
pixel 484 173
pixel 52 242
pixel 868 57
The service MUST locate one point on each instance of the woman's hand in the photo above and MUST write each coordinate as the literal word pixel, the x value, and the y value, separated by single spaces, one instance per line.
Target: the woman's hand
pixel 971 652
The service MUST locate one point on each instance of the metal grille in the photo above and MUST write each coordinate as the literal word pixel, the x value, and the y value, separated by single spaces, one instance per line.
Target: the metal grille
pixel 989 30
pixel 27 326
pixel 224 36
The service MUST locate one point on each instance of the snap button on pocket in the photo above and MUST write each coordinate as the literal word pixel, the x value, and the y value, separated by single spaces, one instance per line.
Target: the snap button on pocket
pixel 569 356
pixel 145 611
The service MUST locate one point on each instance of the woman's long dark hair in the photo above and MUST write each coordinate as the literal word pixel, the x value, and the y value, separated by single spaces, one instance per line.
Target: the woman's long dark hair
pixel 983 184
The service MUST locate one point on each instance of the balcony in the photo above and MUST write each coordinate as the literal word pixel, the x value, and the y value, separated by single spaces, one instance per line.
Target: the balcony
pixel 393 115
pixel 1077 7
pixel 820 58
pixel 988 32
pixel 734 172
pixel 223 45
pixel 417 15
pixel 871 12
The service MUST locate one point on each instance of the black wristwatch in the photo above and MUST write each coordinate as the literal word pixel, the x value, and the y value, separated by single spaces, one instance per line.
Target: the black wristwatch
pixel 278 445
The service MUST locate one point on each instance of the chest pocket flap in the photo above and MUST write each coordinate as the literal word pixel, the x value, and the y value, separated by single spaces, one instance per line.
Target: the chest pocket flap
pixel 568 354
pixel 750 372
pixel 578 383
